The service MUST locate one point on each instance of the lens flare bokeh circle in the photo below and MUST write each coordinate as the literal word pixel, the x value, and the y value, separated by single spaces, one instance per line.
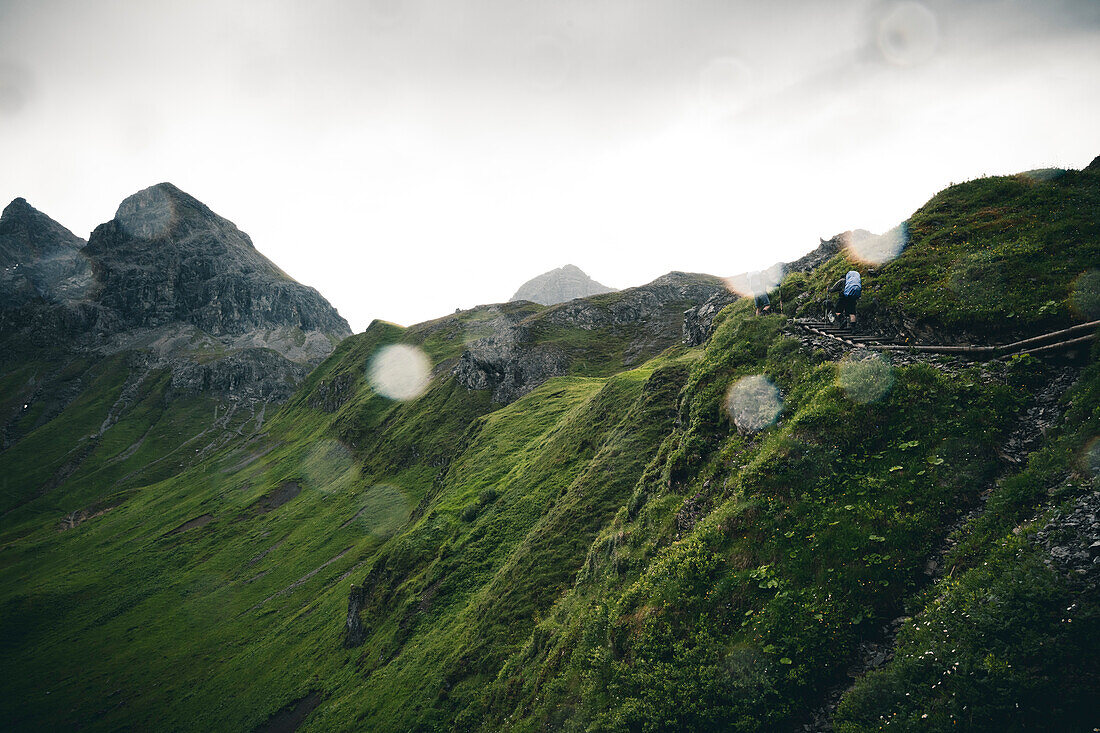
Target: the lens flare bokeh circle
pixel 1084 298
pixel 400 372
pixel 753 403
pixel 908 34
pixel 329 466
pixel 148 214
pixel 866 379
pixel 876 249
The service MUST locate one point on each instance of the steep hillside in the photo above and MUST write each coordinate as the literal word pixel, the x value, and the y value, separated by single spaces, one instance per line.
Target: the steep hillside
pixel 576 522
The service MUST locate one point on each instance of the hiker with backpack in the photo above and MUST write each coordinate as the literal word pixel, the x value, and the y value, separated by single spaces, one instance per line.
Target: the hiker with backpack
pixel 759 294
pixel 850 288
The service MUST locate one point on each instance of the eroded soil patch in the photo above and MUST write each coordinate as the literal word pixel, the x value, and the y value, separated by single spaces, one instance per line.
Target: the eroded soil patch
pixel 273 500
pixel 291 715
pixel 199 521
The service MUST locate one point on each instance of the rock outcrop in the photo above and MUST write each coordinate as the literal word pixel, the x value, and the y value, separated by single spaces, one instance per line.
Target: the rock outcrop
pixel 259 374
pixel 1071 536
pixel 699 321
pixel 519 356
pixel 510 364
pixel 559 286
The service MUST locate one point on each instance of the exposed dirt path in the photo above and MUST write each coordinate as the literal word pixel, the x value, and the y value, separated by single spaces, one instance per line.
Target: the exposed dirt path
pixel 199 521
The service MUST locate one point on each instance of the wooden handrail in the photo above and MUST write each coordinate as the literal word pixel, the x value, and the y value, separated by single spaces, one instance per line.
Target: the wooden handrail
pixel 1059 345
pixel 1043 337
pixel 1000 349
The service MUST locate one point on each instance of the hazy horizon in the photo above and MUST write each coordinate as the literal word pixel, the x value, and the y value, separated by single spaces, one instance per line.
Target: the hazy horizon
pixel 408 158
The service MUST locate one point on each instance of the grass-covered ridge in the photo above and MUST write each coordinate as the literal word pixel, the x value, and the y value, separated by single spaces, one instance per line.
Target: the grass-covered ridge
pixel 993 256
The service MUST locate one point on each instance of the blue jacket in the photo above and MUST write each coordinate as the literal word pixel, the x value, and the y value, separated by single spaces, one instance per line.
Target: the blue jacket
pixel 852 283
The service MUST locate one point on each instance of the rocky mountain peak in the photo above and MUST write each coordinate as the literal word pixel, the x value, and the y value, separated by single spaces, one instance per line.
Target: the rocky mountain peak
pixel 18 209
pixel 164 212
pixel 559 286
pixel 17 206
pixel 166 258
pixel 39 258
pixel 26 234
pixel 166 216
pixel 167 276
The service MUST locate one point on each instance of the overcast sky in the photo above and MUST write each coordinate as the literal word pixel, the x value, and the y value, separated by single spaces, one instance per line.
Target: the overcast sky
pixel 408 157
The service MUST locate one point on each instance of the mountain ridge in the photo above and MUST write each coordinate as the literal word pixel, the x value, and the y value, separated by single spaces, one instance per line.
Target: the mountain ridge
pixel 762 532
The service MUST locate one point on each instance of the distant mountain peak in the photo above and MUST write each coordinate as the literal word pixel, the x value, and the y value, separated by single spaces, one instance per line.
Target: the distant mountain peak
pixel 27 235
pixel 560 285
pixel 40 260
pixel 159 211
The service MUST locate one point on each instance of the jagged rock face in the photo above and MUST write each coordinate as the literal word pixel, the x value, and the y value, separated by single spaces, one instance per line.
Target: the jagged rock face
pixel 250 374
pixel 354 633
pixel 39 259
pixel 509 364
pixel 512 361
pixel 559 286
pixel 170 278
pixel 823 252
pixel 166 257
pixel 699 321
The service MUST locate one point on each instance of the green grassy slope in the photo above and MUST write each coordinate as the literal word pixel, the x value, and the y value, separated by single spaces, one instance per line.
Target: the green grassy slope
pixel 991 256
pixel 811 533
pixel 238 569
pixel 117 429
pixel 1005 643
pixel 608 552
